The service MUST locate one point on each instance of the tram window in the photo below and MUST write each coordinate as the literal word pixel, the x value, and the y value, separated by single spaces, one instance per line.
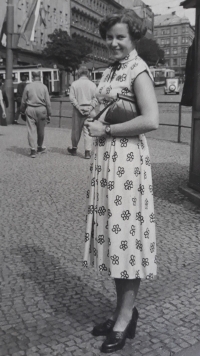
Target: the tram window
pixel 159 73
pixel 34 72
pixel 24 74
pixel 170 74
pixel 98 75
pixel 2 77
pixel 55 75
pixel 14 77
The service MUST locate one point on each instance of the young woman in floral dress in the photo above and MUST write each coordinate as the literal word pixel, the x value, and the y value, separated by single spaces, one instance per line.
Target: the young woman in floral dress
pixel 120 230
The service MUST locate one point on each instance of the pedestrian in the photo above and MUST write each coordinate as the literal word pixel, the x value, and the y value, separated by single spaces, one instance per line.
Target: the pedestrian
pixel 120 226
pixel 3 104
pixel 37 107
pixel 20 90
pixel 3 111
pixel 82 97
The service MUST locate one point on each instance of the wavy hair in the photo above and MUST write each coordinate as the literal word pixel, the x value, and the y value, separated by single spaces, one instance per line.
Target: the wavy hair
pixel 136 26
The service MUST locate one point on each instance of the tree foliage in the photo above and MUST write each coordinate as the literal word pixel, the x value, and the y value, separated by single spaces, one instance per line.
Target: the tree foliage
pixel 65 51
pixel 150 51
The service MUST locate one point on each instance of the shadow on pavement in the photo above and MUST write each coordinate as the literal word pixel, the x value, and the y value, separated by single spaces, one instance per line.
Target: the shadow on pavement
pixel 167 178
pixel 58 303
pixel 20 150
pixel 66 292
pixel 64 152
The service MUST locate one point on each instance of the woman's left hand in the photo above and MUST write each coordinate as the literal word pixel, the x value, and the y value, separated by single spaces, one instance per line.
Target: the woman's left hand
pixel 95 128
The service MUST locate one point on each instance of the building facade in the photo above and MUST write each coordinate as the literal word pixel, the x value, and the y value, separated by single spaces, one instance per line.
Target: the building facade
pixel 143 11
pixel 174 35
pixel 85 17
pixel 34 20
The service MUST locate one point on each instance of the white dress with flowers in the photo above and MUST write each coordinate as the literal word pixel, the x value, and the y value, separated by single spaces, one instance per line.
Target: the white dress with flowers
pixel 120 224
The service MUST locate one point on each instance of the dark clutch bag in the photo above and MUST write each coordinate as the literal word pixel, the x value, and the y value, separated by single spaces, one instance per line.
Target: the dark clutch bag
pixel 120 110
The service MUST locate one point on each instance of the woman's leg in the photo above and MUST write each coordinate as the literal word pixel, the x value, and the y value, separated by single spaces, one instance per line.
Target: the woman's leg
pixel 127 290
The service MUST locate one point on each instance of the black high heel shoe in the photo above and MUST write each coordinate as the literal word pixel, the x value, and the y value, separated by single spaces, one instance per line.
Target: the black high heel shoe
pixel 115 340
pixel 103 329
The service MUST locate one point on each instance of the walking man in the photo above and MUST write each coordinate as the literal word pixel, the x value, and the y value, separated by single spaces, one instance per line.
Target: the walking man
pixel 37 107
pixel 20 90
pixel 82 97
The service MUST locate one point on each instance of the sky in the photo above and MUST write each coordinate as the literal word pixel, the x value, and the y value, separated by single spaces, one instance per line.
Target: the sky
pixel 161 7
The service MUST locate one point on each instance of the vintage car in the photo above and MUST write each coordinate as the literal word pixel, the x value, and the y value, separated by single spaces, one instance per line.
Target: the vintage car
pixel 172 86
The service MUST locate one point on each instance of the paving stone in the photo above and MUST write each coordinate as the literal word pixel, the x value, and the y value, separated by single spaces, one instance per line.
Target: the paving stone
pixel 49 303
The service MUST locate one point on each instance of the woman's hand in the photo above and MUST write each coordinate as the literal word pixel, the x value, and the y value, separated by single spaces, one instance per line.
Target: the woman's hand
pixel 95 128
pixel 3 115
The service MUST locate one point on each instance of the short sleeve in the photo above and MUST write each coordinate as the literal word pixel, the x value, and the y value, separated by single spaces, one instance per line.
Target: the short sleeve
pixel 138 67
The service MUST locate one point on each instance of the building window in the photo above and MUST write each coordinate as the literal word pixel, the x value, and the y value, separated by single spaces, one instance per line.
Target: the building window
pixel 175 40
pixel 167 41
pixel 184 50
pixel 183 61
pixel 162 42
pixel 174 62
pixel 184 39
pixel 166 50
pixel 175 51
pixel 175 30
pixel 183 29
pixel 155 33
pixel 168 32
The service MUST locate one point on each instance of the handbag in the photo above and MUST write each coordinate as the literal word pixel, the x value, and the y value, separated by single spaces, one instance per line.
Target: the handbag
pixel 120 110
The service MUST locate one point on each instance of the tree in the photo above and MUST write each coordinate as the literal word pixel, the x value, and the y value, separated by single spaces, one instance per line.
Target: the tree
pixel 65 51
pixel 150 51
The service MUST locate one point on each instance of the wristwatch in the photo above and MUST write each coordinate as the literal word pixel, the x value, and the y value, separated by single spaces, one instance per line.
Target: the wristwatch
pixel 108 130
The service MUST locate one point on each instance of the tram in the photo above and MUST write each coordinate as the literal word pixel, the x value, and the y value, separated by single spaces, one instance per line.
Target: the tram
pixel 161 74
pixel 49 76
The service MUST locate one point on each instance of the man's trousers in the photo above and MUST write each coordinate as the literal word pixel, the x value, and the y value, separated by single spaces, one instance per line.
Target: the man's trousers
pixel 35 122
pixel 77 127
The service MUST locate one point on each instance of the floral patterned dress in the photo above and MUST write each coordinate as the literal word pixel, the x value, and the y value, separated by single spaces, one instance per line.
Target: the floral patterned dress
pixel 120 234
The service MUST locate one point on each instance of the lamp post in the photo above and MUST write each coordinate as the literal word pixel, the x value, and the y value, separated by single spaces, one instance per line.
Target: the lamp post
pixel 193 192
pixel 9 61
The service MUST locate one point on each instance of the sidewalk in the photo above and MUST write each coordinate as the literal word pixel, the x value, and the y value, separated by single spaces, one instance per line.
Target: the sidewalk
pixel 191 351
pixel 49 303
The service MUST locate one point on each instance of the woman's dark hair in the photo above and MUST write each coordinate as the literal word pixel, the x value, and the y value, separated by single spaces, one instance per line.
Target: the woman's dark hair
pixel 135 24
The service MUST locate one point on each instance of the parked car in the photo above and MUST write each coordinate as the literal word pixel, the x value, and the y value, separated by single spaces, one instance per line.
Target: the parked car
pixel 172 86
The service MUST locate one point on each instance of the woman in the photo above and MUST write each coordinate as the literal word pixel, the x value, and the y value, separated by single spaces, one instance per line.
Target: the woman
pixel 120 229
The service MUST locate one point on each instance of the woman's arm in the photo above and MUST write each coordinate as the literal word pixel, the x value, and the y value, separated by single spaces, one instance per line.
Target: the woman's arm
pixel 147 121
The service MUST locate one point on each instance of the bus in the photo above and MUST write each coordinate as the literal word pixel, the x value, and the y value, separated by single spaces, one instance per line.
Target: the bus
pixel 160 75
pixel 49 76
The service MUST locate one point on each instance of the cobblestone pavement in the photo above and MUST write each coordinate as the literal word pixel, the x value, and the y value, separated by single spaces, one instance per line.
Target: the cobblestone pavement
pixel 49 304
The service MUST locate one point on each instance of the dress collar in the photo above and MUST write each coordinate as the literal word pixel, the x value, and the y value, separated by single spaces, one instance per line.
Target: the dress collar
pixel 132 55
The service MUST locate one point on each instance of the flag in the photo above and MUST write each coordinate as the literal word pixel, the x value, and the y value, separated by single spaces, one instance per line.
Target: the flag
pixel 28 29
pixel 3 36
pixel 43 14
pixel 36 14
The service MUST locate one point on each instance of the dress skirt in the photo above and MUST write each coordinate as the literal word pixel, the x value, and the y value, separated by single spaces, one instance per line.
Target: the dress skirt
pixel 120 234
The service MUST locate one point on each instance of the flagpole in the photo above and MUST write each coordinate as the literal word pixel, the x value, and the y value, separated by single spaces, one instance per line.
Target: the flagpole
pixel 9 62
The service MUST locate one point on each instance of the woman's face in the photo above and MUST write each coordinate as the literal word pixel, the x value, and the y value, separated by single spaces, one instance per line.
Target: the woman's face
pixel 119 41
